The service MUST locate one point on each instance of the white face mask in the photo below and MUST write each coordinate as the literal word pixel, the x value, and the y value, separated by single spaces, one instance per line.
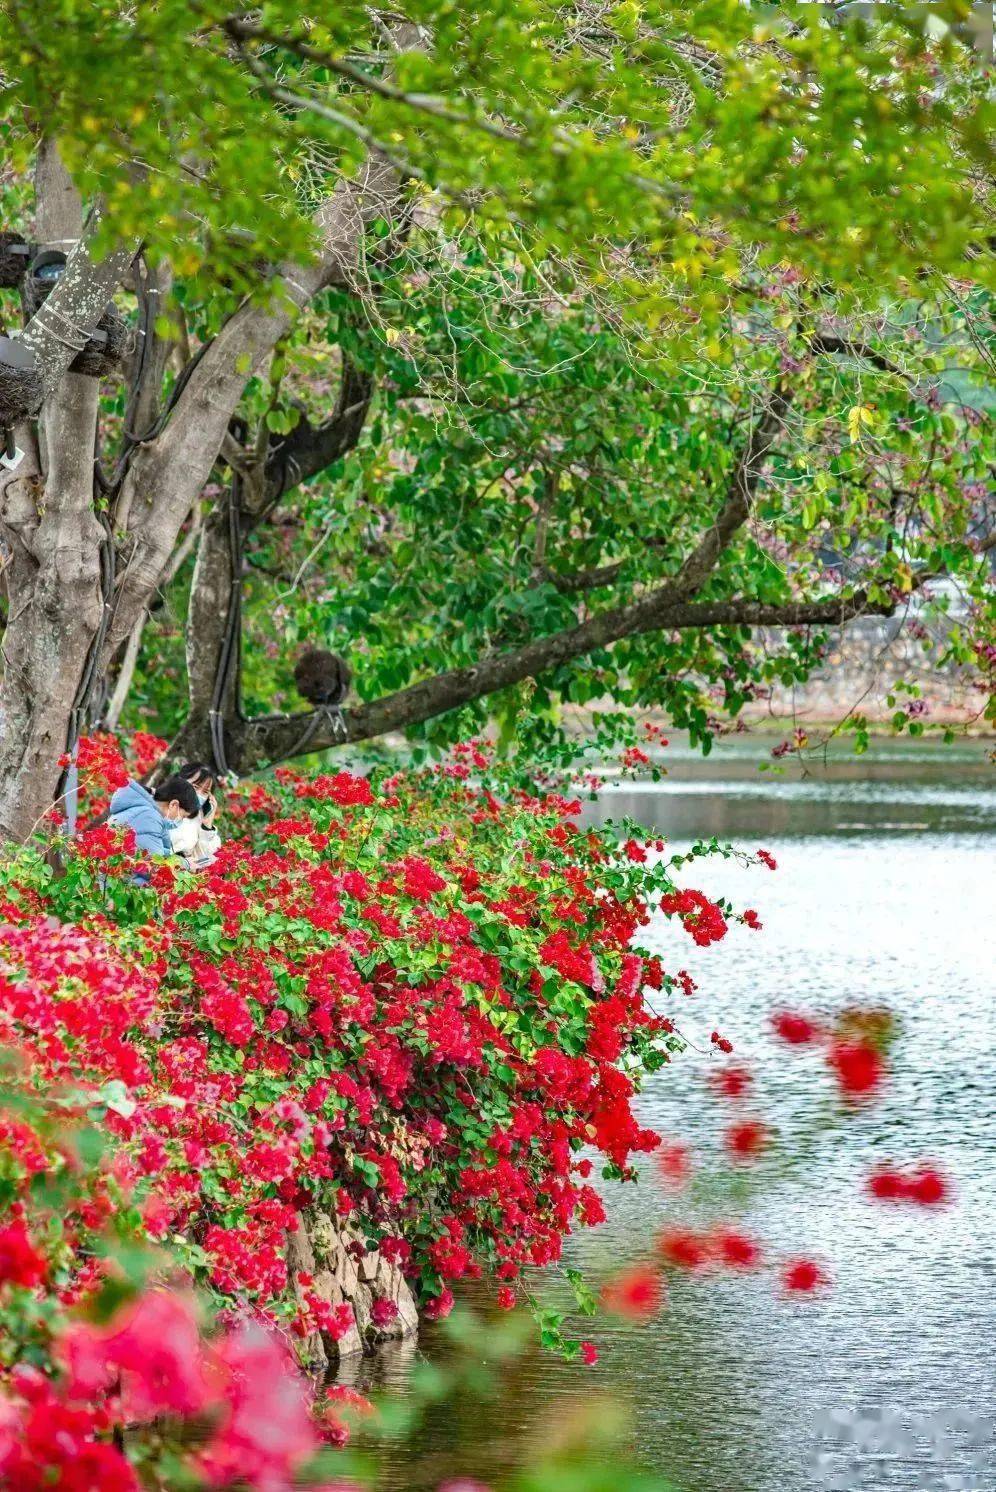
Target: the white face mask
pixel 183 836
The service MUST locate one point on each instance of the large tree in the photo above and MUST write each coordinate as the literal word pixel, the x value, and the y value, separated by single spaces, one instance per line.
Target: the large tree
pixel 640 327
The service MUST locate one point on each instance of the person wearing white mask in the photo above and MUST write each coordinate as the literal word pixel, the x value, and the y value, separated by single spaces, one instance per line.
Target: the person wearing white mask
pixel 196 840
pixel 154 816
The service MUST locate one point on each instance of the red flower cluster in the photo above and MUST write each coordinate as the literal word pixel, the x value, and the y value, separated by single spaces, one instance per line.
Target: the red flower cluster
pixel 403 1005
pixel 926 1187
pixel 797 1030
pixel 747 1139
pixel 687 1248
pixel 853 1058
pixel 637 1294
pixel 857 1065
pixel 148 1363
pixel 103 766
pixel 20 1262
pixel 700 917
pixel 802 1276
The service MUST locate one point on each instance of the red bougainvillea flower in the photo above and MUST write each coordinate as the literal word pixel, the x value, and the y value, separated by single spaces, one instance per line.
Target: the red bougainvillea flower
pixel 699 916
pixel 589 1354
pixel 506 1298
pixel 156 1348
pixel 266 1431
pixel 796 1029
pixel 683 1248
pixel 928 1188
pixel 20 1261
pixel 735 1249
pixel 732 1081
pixel 925 1187
pixel 674 1163
pixel 746 1140
pixel 751 919
pixel 768 859
pixel 637 1294
pixel 857 1066
pixel 45 1443
pixel 82 1354
pixel 802 1276
pixel 383 1311
pixel 438 1307
pixel 887 1185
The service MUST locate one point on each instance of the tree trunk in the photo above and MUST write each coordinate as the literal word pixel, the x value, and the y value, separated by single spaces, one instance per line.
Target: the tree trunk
pixel 54 536
pixel 208 615
pixel 64 615
pixel 55 612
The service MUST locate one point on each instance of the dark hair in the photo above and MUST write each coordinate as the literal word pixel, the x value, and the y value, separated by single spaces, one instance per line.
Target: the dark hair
pixel 193 770
pixel 180 789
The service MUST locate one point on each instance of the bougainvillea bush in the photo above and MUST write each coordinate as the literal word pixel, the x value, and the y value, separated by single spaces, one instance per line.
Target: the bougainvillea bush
pixel 403 1002
pixel 406 1000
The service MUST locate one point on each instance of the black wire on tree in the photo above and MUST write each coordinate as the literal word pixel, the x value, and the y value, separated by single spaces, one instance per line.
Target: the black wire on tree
pixel 230 654
pixel 132 439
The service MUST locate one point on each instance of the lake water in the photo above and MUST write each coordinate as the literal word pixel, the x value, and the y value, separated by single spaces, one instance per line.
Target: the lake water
pixel 885 895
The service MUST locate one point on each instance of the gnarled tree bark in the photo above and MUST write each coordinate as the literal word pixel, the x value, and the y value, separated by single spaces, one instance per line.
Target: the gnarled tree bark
pixel 54 537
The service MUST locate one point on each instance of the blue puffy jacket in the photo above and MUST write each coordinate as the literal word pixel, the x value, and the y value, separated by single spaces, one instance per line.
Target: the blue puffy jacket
pixel 134 807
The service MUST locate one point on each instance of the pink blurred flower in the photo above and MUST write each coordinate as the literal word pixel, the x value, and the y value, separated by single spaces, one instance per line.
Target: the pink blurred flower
pixel 267 1431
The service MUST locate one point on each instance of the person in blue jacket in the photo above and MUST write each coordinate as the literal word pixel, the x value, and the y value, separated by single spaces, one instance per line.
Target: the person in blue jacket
pixel 150 814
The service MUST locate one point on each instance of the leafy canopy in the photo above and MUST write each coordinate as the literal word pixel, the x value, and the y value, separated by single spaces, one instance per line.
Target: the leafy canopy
pixel 628 227
pixel 699 130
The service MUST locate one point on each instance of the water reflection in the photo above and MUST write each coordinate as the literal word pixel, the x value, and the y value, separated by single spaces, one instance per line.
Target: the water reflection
pixel 885 895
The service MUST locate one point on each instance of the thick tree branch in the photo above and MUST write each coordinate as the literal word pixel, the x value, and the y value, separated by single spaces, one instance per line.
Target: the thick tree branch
pixel 741 490
pixel 308 449
pixel 277 738
pixel 153 284
pixel 61 326
pixel 670 605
